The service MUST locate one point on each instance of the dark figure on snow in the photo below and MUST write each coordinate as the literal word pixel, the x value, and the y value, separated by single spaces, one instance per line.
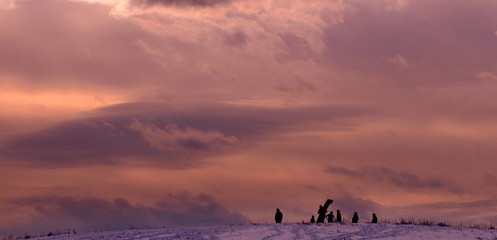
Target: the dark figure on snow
pixel 375 219
pixel 321 214
pixel 339 216
pixel 323 209
pixel 312 219
pixel 330 217
pixel 278 217
pixel 355 218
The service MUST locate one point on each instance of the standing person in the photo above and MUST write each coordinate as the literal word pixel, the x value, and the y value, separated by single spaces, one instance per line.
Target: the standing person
pixel 355 218
pixel 312 219
pixel 375 219
pixel 323 209
pixel 278 217
pixel 321 214
pixel 339 216
pixel 330 217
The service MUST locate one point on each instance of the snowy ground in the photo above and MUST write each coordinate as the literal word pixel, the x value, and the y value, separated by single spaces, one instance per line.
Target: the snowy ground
pixel 295 231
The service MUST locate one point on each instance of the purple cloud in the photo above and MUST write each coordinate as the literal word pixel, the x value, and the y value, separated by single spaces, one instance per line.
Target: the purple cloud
pixel 467 212
pixel 173 139
pixel 443 42
pixel 237 38
pixel 91 214
pixel 180 3
pixel 400 179
pixel 161 135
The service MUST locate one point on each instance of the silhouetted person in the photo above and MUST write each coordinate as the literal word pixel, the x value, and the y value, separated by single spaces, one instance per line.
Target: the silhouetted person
pixel 355 218
pixel 278 217
pixel 375 219
pixel 339 216
pixel 312 219
pixel 330 217
pixel 323 209
pixel 321 214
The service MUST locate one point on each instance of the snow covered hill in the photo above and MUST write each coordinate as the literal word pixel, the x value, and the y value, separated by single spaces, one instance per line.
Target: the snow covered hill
pixel 294 231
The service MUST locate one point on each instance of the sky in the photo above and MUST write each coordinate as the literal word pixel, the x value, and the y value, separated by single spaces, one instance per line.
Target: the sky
pixel 149 113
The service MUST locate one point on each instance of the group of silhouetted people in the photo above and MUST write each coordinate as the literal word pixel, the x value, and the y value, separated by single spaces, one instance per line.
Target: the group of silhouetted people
pixel 323 209
pixel 331 218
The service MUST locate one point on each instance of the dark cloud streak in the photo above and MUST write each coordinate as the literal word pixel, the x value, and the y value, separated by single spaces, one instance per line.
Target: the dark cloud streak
pixel 180 3
pixel 467 211
pixel 400 179
pixel 162 135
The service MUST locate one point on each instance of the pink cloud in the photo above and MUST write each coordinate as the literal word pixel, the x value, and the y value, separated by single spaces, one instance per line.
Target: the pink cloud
pixel 398 60
pixel 173 139
pixel 7 4
pixel 489 76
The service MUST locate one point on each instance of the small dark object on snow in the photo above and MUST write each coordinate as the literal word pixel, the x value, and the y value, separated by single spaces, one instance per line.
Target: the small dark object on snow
pixel 312 219
pixel 339 216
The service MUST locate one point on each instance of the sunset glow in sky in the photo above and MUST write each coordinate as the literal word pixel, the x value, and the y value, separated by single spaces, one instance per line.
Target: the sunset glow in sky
pixel 118 113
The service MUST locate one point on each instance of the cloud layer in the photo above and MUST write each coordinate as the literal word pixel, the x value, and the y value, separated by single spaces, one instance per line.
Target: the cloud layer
pixel 195 3
pixel 403 180
pixel 121 133
pixel 90 214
